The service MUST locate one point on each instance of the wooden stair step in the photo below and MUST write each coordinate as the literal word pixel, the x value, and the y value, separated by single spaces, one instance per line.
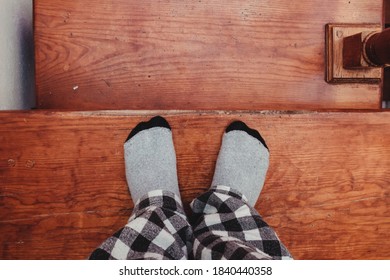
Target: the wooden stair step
pixel 193 55
pixel 63 188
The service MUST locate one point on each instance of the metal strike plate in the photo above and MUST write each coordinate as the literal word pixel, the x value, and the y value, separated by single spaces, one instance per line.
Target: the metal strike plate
pixel 335 72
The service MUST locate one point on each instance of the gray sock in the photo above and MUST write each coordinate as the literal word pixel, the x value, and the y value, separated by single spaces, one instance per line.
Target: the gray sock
pixel 150 159
pixel 243 161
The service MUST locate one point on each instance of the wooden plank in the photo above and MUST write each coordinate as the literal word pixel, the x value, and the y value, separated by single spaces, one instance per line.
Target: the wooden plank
pixel 63 188
pixel 191 54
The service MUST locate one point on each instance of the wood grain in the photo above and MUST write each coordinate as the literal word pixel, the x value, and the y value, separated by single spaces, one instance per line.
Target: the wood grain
pixel 63 188
pixel 231 55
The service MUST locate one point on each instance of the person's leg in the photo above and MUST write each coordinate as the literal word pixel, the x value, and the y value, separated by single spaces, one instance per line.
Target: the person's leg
pixel 158 227
pixel 227 226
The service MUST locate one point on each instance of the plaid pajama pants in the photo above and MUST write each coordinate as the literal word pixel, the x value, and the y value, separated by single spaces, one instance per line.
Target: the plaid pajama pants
pixel 225 227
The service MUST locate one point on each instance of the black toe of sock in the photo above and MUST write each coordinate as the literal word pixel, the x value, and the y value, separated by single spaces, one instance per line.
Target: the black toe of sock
pixel 239 125
pixel 157 121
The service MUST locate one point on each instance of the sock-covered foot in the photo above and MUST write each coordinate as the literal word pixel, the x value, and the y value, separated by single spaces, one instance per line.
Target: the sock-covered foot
pixel 150 159
pixel 243 161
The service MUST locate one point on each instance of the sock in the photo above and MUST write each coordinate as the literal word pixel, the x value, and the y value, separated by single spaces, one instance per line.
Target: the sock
pixel 243 161
pixel 150 159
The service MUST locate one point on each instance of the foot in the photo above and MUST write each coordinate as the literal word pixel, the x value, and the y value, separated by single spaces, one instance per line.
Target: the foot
pixel 150 159
pixel 243 161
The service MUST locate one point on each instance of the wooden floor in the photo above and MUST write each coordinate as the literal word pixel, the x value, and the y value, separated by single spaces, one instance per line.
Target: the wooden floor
pixel 63 188
pixel 62 181
pixel 231 55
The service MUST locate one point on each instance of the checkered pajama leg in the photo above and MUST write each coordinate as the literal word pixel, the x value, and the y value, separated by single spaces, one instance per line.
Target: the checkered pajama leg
pixel 228 228
pixel 157 229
